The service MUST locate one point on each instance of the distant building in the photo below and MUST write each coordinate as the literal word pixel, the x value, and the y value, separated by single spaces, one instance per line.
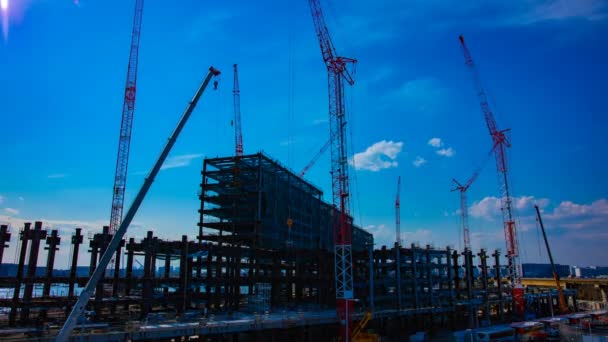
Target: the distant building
pixel 589 272
pixel 544 270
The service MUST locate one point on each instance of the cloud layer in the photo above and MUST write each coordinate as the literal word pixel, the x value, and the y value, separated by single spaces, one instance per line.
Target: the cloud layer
pixel 180 161
pixel 381 155
pixel 577 231
pixel 11 211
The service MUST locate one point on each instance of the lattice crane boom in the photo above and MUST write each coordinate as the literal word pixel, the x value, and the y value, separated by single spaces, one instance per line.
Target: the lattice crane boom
pixel 464 208
pixel 126 125
pixel 337 73
pixel 315 158
pixel 501 143
pixel 238 134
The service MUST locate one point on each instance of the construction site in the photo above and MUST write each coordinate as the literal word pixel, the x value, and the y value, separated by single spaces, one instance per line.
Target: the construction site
pixel 270 259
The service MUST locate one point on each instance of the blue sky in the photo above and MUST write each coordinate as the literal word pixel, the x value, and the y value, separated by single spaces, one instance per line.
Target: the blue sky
pixel 543 63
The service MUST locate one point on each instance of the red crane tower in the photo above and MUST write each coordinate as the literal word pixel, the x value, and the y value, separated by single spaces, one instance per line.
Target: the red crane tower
pixel 337 73
pixel 501 143
pixel 464 208
pixel 238 134
pixel 128 108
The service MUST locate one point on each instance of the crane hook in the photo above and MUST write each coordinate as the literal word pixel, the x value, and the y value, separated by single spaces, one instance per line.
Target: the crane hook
pixel 215 83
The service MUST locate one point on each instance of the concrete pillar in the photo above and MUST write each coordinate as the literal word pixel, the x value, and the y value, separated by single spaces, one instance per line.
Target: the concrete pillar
pixel 102 241
pixel 116 280
pixel 468 266
pixel 129 270
pixel 52 243
pixel 498 279
pixel 76 241
pixel 483 257
pixel 398 275
pixel 147 278
pixel 36 235
pixel 167 273
pixel 183 274
pixel 5 237
pixel 24 236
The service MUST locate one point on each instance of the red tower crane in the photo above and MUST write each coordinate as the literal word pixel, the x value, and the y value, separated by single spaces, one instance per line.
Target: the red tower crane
pixel 238 134
pixel 337 73
pixel 464 208
pixel 128 108
pixel 501 144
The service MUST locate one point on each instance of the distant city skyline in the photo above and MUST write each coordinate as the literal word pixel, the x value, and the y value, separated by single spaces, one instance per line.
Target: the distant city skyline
pixel 412 112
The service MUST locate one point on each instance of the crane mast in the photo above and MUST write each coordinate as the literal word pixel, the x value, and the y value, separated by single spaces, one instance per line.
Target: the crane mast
pixel 238 134
pixel 464 213
pixel 337 73
pixel 501 143
pixel 464 207
pixel 126 125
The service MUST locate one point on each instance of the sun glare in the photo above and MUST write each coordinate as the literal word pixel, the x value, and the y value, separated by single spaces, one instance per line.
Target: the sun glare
pixel 4 5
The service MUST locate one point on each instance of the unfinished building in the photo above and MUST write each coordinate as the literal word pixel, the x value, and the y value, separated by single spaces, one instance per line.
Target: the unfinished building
pixel 278 223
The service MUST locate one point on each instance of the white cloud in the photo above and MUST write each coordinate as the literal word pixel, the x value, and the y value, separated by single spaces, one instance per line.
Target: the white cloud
pixel 380 155
pixel 56 175
pixel 446 152
pixel 21 198
pixel 570 215
pixel 179 161
pixel 565 9
pixel 11 211
pixel 490 207
pixel 435 142
pixel 419 161
pixel 577 231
